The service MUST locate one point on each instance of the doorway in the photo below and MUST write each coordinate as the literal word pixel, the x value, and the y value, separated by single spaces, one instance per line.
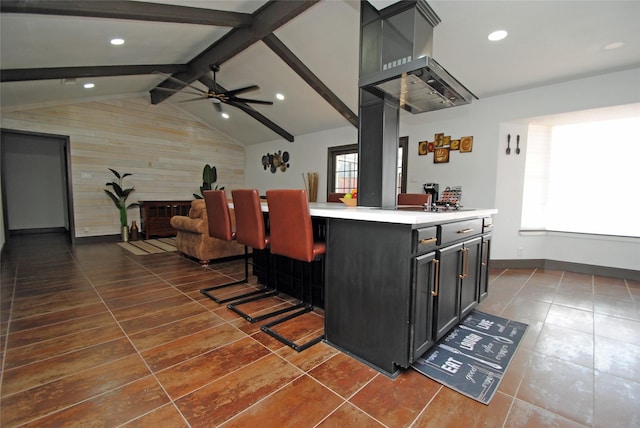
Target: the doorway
pixel 36 184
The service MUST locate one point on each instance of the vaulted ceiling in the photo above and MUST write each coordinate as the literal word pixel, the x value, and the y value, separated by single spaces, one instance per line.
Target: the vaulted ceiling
pixel 306 50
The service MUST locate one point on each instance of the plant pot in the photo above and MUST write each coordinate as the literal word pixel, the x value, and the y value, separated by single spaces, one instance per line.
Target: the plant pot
pixel 124 233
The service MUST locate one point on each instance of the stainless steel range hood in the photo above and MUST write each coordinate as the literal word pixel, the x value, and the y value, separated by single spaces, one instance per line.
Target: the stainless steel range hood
pixel 395 58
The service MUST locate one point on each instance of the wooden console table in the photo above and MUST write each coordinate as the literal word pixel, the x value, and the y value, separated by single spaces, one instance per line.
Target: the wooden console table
pixel 155 216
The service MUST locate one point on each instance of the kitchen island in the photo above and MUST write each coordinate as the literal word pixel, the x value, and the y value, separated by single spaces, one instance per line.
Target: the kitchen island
pixel 396 280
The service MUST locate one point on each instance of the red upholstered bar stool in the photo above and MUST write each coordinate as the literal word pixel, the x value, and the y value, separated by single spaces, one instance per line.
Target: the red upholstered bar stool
pixel 220 227
pixel 291 235
pixel 250 231
pixel 414 199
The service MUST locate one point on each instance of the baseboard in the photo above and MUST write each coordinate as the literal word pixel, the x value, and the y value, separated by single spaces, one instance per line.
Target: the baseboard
pixel 567 266
pixel 98 239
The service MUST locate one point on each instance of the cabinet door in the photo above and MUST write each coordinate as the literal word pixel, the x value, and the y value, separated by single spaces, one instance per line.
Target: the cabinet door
pixel 421 336
pixel 470 276
pixel 446 297
pixel 484 267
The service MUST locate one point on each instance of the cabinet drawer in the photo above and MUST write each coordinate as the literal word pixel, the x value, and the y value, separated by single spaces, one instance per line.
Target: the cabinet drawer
pixel 426 239
pixel 459 230
pixel 487 224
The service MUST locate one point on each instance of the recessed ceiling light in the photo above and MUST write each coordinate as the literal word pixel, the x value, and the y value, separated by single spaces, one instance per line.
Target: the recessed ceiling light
pixel 612 46
pixel 89 85
pixel 280 96
pixel 225 116
pixel 117 42
pixel 497 35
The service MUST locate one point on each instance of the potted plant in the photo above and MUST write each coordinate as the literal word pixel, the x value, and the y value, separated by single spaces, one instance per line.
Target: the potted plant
pixel 209 176
pixel 119 197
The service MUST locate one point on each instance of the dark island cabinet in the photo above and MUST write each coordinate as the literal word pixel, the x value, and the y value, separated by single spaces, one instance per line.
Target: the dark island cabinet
pixel 424 273
pixel 392 290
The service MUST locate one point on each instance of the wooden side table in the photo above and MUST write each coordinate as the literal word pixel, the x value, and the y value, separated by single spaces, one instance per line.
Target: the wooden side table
pixel 155 216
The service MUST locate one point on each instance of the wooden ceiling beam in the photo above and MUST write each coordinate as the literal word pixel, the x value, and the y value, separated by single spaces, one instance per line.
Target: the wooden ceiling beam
pixel 133 10
pixel 280 49
pixel 267 19
pixel 24 74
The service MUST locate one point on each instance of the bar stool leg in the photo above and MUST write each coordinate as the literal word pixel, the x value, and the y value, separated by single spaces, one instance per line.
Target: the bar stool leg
pixel 267 328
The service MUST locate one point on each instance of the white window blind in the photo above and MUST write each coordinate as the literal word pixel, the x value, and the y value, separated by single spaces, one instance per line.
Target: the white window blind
pixel 584 177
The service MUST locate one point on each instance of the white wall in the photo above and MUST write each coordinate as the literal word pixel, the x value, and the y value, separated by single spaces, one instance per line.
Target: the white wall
pixel 308 154
pixel 488 176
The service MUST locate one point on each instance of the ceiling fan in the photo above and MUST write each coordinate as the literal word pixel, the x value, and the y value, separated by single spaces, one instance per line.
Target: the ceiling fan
pixel 217 97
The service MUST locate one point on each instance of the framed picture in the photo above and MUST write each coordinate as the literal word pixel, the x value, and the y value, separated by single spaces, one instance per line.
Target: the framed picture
pixel 455 145
pixel 431 147
pixel 422 148
pixel 439 140
pixel 441 155
pixel 466 144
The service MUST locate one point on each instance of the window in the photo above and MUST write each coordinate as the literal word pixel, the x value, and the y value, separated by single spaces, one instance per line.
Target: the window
pixel 343 167
pixel 582 175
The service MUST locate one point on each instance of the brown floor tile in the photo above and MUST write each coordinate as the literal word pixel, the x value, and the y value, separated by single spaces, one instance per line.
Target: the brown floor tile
pixel 150 307
pixel 616 401
pixel 190 346
pixel 60 345
pixel 44 399
pixel 111 409
pixel 166 416
pixel 38 373
pixel 301 403
pixel 348 415
pixel 566 344
pixel 524 310
pixel 302 328
pixel 57 317
pixel 168 332
pixel 515 372
pixel 575 319
pixel 72 326
pixel 621 329
pixel 226 397
pixel 451 409
pixel 617 358
pixel 141 298
pixel 560 387
pixel 343 374
pixel 146 321
pixel 617 308
pixel 396 402
pixel 574 299
pixel 525 415
pixel 310 358
pixel 619 292
pixel 186 377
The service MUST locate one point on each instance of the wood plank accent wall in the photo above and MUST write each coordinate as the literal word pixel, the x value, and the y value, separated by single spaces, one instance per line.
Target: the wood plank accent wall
pixel 164 148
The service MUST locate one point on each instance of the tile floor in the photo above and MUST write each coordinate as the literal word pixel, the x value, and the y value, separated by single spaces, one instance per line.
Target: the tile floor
pixel 94 336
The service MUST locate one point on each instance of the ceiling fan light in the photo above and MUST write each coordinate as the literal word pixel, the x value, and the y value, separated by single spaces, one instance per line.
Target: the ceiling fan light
pixel 497 35
pixel 117 41
pixel 89 85
pixel 224 115
pixel 280 96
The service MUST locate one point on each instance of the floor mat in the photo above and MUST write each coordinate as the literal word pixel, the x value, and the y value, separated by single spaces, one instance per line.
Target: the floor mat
pixel 149 246
pixel 473 358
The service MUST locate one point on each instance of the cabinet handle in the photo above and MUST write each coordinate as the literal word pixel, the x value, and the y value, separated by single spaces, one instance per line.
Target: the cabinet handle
pixel 427 241
pixel 465 231
pixel 465 263
pixel 485 250
pixel 436 264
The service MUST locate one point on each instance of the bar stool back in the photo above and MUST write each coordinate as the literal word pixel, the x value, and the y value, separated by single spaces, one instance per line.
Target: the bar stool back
pixel 291 235
pixel 221 227
pixel 414 199
pixel 250 230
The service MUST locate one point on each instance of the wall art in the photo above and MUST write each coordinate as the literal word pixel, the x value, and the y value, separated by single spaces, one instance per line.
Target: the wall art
pixel 442 145
pixel 422 148
pixel 276 161
pixel 441 155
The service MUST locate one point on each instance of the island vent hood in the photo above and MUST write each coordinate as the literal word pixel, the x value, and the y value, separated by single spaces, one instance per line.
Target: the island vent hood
pixel 395 58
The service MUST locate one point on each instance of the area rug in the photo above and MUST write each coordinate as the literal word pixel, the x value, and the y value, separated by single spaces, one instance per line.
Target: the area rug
pixel 149 246
pixel 473 358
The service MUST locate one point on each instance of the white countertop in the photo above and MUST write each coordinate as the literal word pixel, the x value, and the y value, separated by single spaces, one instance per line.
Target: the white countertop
pixel 342 211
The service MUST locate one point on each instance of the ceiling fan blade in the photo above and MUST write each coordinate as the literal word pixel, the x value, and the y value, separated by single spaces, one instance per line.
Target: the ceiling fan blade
pixel 166 76
pixel 242 90
pixel 247 100
pixel 194 99
pixel 177 90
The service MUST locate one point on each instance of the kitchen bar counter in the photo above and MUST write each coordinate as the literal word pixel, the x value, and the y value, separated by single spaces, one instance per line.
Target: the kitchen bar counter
pixel 396 280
